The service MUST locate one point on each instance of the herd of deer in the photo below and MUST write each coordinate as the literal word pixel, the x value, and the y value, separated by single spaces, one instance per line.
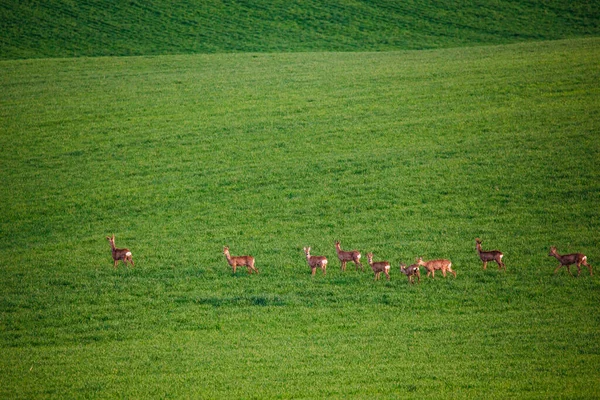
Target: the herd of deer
pixel 378 267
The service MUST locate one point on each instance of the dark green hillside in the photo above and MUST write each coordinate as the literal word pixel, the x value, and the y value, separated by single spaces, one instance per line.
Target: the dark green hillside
pixel 58 28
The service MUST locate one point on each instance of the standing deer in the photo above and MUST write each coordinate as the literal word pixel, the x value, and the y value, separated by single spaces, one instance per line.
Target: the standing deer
pixel 411 271
pixel 346 256
pixel 434 265
pixel 569 259
pixel 379 267
pixel 315 261
pixel 240 261
pixel 492 255
pixel 119 254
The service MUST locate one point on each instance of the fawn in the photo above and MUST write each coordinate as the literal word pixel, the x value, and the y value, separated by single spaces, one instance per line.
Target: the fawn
pixel 346 256
pixel 411 271
pixel 240 261
pixel 119 254
pixel 569 259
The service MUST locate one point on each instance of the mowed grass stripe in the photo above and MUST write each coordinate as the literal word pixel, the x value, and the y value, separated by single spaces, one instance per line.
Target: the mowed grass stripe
pixel 402 154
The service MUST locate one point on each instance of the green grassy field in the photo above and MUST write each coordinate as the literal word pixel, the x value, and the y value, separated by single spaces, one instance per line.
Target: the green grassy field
pixel 58 28
pixel 405 154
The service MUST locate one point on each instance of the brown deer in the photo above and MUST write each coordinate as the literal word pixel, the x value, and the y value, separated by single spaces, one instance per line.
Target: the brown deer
pixel 491 255
pixel 315 261
pixel 378 267
pixel 411 271
pixel 346 256
pixel 435 265
pixel 240 261
pixel 119 254
pixel 569 259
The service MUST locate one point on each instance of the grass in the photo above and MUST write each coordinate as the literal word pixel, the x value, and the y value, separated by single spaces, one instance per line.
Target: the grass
pixel 405 154
pixel 96 28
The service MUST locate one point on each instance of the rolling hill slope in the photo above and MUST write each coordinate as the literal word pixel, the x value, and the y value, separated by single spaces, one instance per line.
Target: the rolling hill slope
pixel 31 29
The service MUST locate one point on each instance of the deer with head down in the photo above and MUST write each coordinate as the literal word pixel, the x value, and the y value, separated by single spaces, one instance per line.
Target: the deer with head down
pixel 315 262
pixel 411 271
pixel 490 255
pixel 436 265
pixel 240 261
pixel 378 267
pixel 569 259
pixel 119 254
pixel 345 256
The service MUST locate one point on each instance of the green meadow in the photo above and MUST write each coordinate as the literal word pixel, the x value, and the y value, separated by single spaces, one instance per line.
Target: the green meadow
pixel 403 154
pixel 405 129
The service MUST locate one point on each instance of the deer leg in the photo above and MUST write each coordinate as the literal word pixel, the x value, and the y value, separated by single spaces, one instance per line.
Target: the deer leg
pixel 557 268
pixel 569 269
pixel 578 270
pixel 485 265
pixel 324 268
pixel 344 266
pixel 313 270
pixel 234 268
pixel 589 267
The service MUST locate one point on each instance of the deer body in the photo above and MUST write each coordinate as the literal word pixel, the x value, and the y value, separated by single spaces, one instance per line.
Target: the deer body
pixel 119 254
pixel 569 259
pixel 378 267
pixel 436 265
pixel 411 271
pixel 345 256
pixel 492 255
pixel 315 262
pixel 240 261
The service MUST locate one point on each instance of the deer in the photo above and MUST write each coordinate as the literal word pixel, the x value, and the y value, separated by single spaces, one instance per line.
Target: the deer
pixel 315 261
pixel 569 259
pixel 346 256
pixel 378 267
pixel 491 255
pixel 240 261
pixel 411 271
pixel 434 265
pixel 119 254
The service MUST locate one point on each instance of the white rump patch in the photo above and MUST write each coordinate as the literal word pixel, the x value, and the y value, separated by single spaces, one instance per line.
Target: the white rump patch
pixel 128 254
pixel 501 255
pixel 584 258
pixel 387 267
pixel 325 262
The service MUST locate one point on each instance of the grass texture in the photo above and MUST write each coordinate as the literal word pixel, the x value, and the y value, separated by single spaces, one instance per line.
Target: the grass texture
pixel 58 28
pixel 403 154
